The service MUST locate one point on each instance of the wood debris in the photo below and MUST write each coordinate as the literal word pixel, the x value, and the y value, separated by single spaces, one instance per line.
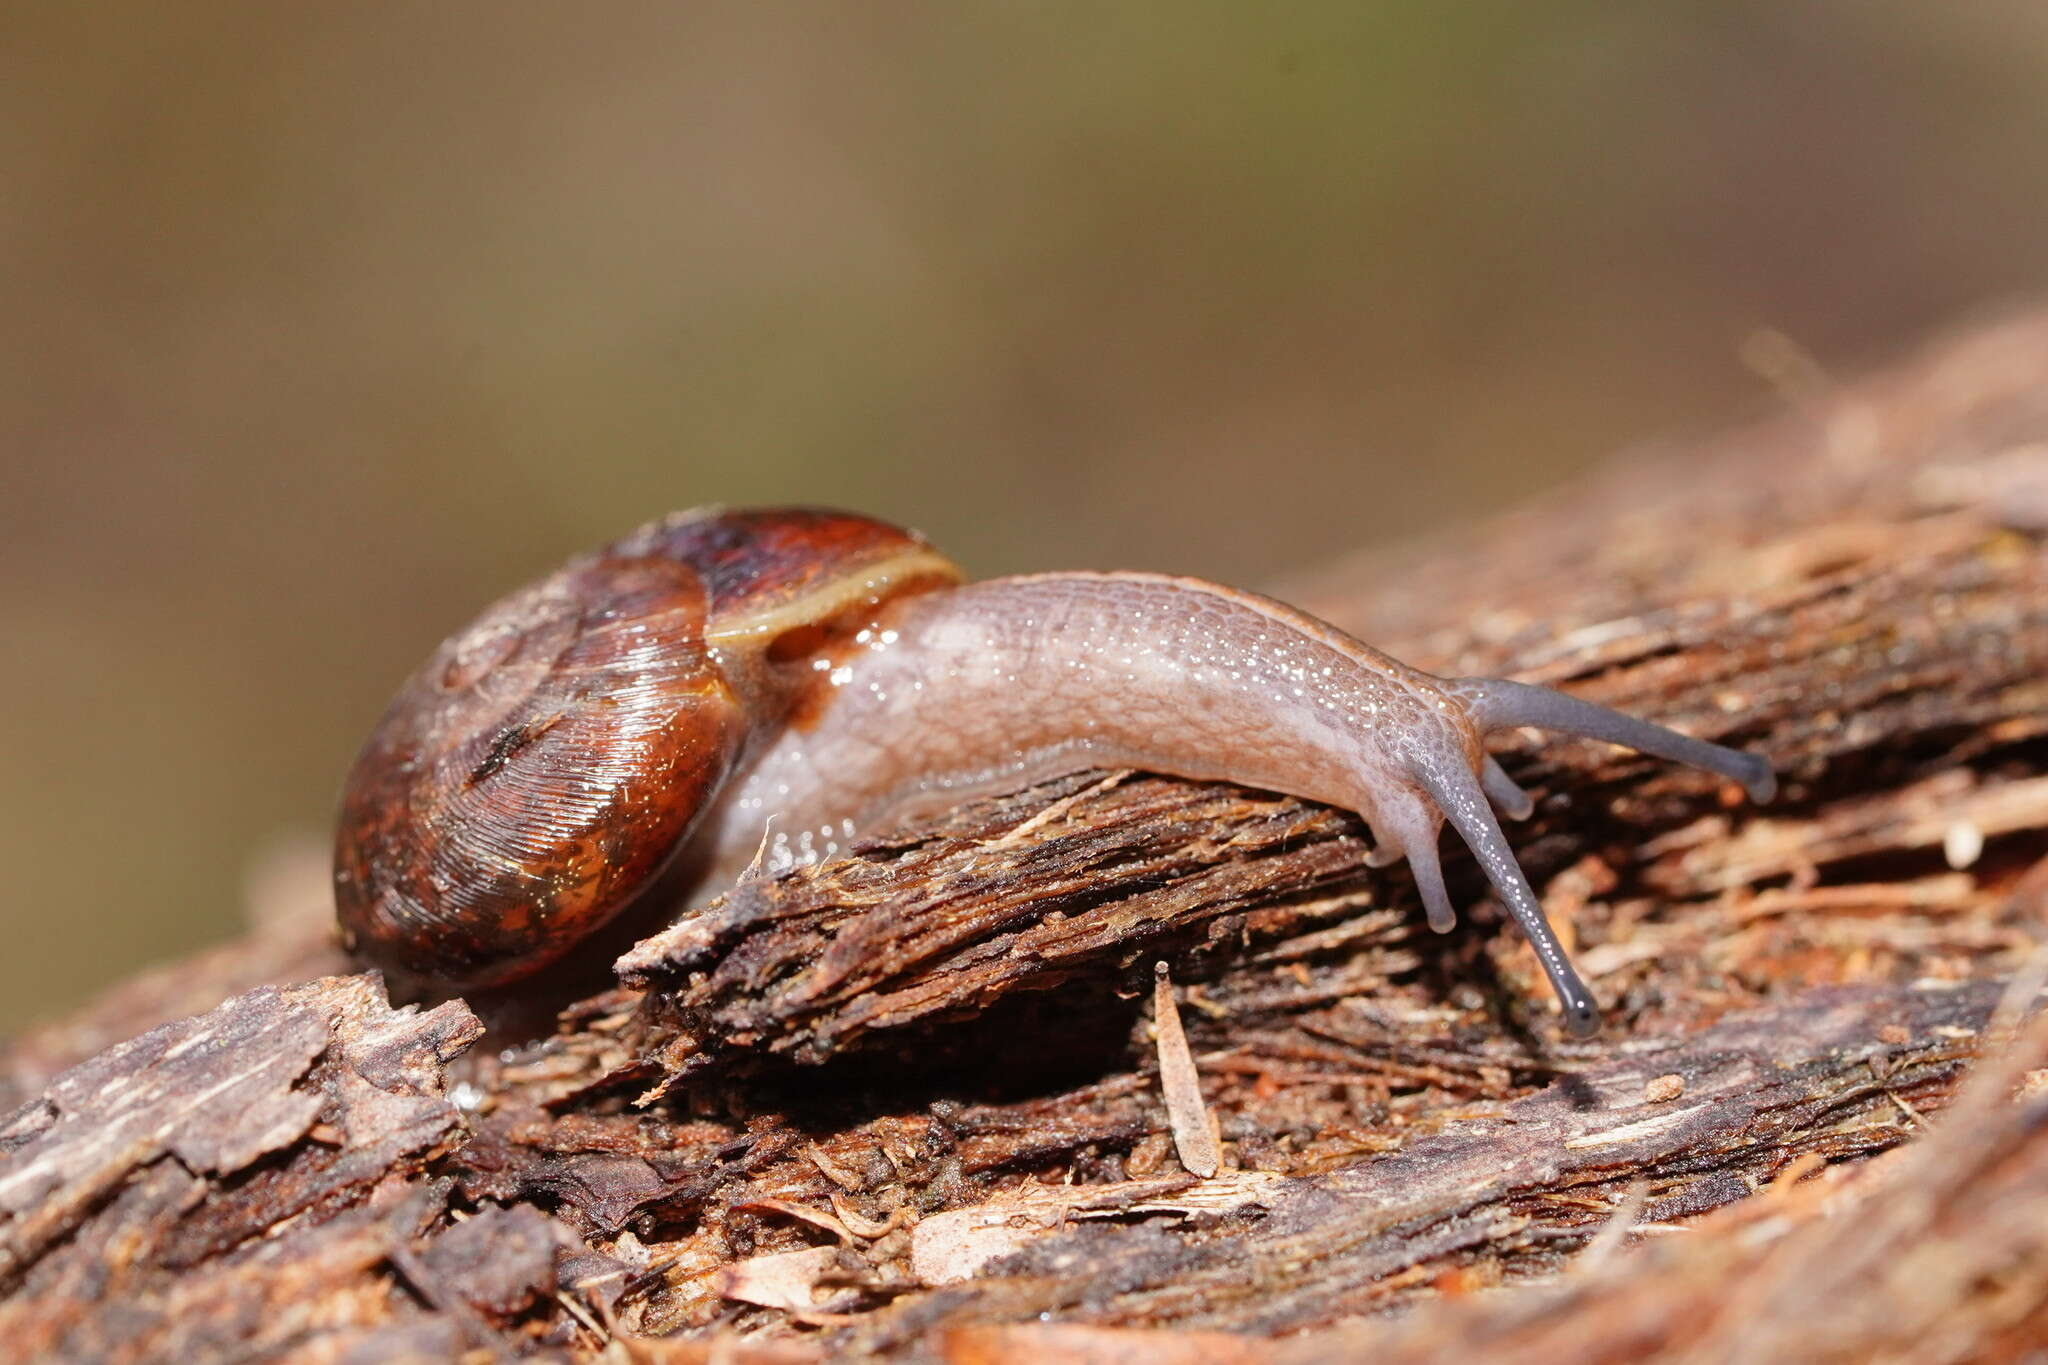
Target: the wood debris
pixel 1193 1137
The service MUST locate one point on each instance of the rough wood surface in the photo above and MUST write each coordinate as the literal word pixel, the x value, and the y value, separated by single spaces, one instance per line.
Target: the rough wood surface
pixel 907 1105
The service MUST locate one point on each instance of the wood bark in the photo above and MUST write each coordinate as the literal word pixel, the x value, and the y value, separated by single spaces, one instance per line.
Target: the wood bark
pixel 907 1104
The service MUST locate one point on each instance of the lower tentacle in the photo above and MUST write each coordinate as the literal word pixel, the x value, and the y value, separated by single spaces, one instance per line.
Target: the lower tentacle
pixel 1504 792
pixel 1429 879
pixel 1410 826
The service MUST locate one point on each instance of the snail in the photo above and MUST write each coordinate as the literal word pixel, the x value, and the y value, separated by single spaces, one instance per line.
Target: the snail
pixel 722 668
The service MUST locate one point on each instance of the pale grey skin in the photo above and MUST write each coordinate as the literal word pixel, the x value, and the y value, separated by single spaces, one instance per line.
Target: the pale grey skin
pixel 990 686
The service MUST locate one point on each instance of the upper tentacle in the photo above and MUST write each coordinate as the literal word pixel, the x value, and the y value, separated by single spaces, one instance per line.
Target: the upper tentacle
pixel 1498 704
pixel 1451 784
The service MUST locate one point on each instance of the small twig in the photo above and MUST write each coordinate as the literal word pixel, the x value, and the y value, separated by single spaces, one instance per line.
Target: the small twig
pixel 582 1315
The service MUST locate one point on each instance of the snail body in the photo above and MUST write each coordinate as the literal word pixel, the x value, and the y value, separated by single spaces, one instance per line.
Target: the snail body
pixel 826 671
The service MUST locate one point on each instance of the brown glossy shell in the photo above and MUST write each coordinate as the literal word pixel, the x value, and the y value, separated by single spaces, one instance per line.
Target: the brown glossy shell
pixel 545 763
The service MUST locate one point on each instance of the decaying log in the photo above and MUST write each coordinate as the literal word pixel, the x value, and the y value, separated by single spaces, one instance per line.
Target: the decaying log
pixel 906 1104
pixel 215 1186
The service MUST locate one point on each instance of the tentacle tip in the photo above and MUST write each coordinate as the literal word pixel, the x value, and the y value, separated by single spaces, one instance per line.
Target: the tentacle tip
pixel 1520 810
pixel 1442 921
pixel 1760 782
pixel 1581 1018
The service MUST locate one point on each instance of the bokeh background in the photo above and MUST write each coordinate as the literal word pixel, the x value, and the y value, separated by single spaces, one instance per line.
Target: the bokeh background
pixel 324 325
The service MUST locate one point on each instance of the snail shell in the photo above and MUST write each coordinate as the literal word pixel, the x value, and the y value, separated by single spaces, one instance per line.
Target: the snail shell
pixel 544 764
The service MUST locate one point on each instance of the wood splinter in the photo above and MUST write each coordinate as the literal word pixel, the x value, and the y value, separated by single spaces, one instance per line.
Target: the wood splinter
pixel 1194 1139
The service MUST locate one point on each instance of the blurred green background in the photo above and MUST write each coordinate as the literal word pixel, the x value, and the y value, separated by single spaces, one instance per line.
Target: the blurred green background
pixel 324 325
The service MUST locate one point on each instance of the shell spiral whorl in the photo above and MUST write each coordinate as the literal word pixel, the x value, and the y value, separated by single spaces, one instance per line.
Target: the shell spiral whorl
pixel 539 770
